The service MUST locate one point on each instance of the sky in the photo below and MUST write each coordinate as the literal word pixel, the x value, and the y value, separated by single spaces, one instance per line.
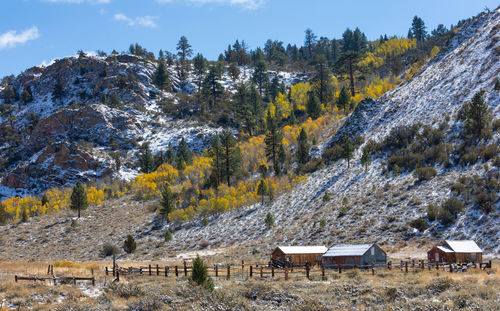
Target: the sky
pixel 35 32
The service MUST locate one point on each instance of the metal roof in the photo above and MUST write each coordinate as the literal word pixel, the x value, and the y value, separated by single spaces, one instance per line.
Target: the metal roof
pixel 303 249
pixel 348 250
pixel 464 246
pixel 445 249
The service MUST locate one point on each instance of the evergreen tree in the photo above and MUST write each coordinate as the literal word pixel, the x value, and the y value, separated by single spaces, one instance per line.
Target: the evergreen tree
pixel 302 147
pixel 160 77
pixel 26 95
pixel 260 76
pixel 200 67
pixel 273 141
pixel 211 85
pixel 274 88
pixel 309 42
pixel 269 220
pixel 217 160
pixel 344 99
pixel 322 79
pixel 262 190
pixel 184 51
pixel 114 101
pixel 78 198
pixel 200 276
pixel 418 29
pixel 281 156
pixel 146 161
pixel 3 214
pixel 347 64
pixel 366 158
pixel 234 71
pixel 347 151
pixel 313 106
pixel 129 245
pixel 170 154
pixel 231 156
pixel 8 95
pixel 58 91
pixel 167 202
pixel 45 199
pixel 184 155
pixel 478 118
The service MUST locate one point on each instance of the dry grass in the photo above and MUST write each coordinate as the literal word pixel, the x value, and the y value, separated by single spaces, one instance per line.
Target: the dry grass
pixel 351 290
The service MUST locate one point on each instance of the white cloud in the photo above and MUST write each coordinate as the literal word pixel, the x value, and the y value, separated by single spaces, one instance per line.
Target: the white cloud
pixel 246 4
pixel 79 1
pixel 12 39
pixel 144 21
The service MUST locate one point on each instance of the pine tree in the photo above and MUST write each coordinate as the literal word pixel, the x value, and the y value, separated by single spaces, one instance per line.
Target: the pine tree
pixel 273 140
pixel 26 95
pixel 262 189
pixel 129 245
pixel 45 199
pixel 78 198
pixel 160 77
pixel 313 106
pixel 211 85
pixel 322 79
pixel 114 101
pixel 167 202
pixel 3 214
pixel 200 276
pixel 184 51
pixel 274 88
pixel 478 118
pixel 302 147
pixel 309 42
pixel 216 155
pixel 146 161
pixel 344 99
pixel 418 29
pixel 347 151
pixel 58 91
pixel 269 220
pixel 234 71
pixel 184 155
pixel 260 76
pixel 170 154
pixel 366 158
pixel 231 156
pixel 200 67
pixel 281 156
pixel 347 64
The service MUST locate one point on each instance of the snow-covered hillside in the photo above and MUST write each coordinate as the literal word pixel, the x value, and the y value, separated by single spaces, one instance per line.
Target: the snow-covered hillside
pixel 379 208
pixel 54 141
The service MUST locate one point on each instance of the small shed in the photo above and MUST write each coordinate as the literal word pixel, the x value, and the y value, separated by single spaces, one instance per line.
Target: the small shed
pixel 298 255
pixel 354 254
pixel 456 251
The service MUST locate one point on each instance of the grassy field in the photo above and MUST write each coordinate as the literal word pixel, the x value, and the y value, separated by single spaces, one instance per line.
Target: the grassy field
pixel 350 290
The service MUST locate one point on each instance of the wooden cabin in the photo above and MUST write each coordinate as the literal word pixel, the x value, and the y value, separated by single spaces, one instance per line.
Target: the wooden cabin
pixel 350 255
pixel 298 255
pixel 456 251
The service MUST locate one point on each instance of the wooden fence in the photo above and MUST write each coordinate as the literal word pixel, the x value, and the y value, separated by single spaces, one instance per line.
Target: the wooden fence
pixel 257 270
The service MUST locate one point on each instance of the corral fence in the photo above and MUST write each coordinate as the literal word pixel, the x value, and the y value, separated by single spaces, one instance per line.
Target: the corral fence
pixel 269 271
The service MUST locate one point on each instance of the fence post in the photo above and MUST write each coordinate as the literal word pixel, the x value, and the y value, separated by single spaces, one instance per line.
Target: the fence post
pixel 48 270
pixel 451 268
pixel 373 269
pixel 340 268
pixel 323 277
pixel 216 271
pixel 140 270
pixel 176 271
pixel 157 270
pixel 228 271
pixel 307 270
pixel 286 273
pixel 242 266
pixel 16 278
pixel 413 263
pixel 93 281
pixel 92 271
pixel 401 266
pixel 261 271
pixel 489 264
pixel 251 271
pixel 185 269
pixel 149 269
pixel 117 276
pixel 437 265
pixel 106 270
pixel 406 266
pixel 166 271
pixel 272 271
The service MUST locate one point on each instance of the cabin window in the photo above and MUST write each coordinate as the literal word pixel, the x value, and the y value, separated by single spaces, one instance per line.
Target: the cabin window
pixel 373 251
pixel 436 256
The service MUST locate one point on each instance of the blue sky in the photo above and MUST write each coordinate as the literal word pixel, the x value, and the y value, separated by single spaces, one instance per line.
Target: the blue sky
pixel 33 32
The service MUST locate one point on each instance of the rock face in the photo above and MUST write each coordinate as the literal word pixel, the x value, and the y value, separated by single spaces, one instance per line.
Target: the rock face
pixel 56 140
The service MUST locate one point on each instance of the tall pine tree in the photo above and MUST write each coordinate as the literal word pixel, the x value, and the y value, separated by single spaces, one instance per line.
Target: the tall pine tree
pixel 78 198
pixel 167 202
pixel 302 147
pixel 273 141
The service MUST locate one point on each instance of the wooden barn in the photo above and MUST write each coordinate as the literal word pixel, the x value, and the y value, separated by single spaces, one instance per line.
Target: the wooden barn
pixel 298 255
pixel 350 255
pixel 456 251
